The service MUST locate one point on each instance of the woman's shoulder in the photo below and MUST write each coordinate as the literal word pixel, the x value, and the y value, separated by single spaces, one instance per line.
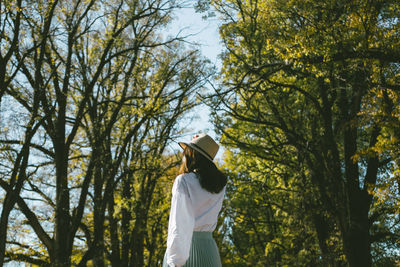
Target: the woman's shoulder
pixel 183 181
pixel 186 179
pixel 191 175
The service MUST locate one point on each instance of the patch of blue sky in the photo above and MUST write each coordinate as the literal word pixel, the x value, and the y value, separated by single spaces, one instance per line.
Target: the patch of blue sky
pixel 202 34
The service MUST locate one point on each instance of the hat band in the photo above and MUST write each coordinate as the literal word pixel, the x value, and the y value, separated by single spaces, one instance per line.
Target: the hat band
pixel 202 150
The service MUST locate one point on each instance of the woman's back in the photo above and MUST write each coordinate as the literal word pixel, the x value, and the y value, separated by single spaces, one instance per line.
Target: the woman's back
pixel 206 205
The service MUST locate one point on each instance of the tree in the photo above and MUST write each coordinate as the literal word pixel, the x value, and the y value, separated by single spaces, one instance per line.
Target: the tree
pixel 297 78
pixel 10 17
pixel 18 151
pixel 129 137
pixel 102 91
pixel 265 220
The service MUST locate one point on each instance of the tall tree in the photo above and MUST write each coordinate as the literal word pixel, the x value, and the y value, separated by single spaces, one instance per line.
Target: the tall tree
pixel 13 53
pixel 296 79
pixel 103 89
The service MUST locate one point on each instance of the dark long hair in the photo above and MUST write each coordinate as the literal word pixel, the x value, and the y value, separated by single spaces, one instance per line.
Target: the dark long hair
pixel 211 179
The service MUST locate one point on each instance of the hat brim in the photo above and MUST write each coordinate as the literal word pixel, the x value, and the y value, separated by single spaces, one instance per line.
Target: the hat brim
pixel 184 145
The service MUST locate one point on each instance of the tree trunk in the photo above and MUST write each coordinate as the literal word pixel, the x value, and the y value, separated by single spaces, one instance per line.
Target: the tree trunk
pixel 114 239
pixel 356 244
pixel 98 216
pixel 125 222
pixel 356 238
pixel 8 205
pixel 98 243
pixel 62 213
pixel 137 240
pixel 322 227
pixel 62 225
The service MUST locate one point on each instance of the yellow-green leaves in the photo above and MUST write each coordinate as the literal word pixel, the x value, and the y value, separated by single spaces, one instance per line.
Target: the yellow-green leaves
pixel 310 109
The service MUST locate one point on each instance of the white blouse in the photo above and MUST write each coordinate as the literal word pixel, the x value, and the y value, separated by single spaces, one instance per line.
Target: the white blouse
pixel 193 209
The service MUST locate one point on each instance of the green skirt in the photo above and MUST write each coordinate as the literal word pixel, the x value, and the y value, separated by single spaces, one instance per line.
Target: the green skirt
pixel 203 252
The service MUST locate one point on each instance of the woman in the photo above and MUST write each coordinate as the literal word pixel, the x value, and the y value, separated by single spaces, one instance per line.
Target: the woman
pixel 197 196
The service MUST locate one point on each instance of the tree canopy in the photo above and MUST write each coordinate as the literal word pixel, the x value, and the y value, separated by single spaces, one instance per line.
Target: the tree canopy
pixel 92 95
pixel 306 105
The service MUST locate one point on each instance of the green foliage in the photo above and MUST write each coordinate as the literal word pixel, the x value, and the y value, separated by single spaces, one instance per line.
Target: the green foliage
pixel 299 83
pixel 99 93
pixel 266 221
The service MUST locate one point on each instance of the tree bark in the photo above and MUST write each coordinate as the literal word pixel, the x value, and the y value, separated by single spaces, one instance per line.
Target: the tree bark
pixel 8 205
pixel 98 215
pixel 62 220
pixel 356 238
pixel 125 223
pixel 114 239
pixel 137 240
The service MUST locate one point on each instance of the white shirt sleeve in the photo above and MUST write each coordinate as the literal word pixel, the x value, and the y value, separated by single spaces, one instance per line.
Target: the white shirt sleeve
pixel 181 224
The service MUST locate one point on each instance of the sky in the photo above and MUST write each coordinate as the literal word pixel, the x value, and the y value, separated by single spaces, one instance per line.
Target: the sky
pixel 204 33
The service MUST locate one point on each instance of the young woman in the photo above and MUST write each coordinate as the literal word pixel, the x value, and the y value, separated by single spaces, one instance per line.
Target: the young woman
pixel 197 196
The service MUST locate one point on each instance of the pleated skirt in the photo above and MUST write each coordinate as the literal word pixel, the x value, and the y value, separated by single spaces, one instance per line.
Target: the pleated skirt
pixel 203 252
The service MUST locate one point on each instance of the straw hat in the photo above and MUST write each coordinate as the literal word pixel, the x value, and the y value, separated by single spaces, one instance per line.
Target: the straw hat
pixel 203 144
